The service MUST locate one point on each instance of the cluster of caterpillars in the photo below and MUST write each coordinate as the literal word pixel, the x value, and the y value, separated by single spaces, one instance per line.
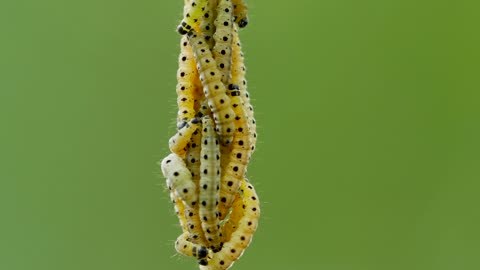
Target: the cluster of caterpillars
pixel 217 206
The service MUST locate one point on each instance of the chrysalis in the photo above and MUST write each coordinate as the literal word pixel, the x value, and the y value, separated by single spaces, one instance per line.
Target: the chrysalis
pixel 209 184
pixel 222 51
pixel 214 89
pixel 193 12
pixel 242 236
pixel 241 12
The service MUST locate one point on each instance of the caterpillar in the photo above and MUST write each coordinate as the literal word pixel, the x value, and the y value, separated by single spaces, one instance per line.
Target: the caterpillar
pixel 241 12
pixel 185 246
pixel 187 75
pixel 193 12
pixel 214 89
pixel 242 236
pixel 192 160
pixel 238 79
pixel 178 143
pixel 209 183
pixel 233 172
pixel 222 51
pixel 179 178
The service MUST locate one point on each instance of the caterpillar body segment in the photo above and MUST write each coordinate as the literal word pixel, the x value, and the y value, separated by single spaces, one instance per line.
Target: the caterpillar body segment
pixel 242 236
pixel 179 178
pixel 192 158
pixel 185 246
pixel 214 89
pixel 239 79
pixel 192 12
pixel 240 11
pixel 209 184
pixel 178 143
pixel 222 51
pixel 234 217
pixel 207 27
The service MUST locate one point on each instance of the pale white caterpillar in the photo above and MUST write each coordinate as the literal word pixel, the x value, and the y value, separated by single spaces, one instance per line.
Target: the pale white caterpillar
pixel 179 178
pixel 209 184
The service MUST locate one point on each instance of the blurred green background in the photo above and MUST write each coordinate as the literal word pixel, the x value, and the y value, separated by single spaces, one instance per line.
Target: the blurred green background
pixel 368 119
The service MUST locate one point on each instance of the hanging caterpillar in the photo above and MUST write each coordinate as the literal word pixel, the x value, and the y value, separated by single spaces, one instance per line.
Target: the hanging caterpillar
pixel 214 89
pixel 222 51
pixel 193 12
pixel 179 141
pixel 238 79
pixel 187 75
pixel 207 28
pixel 209 183
pixel 242 236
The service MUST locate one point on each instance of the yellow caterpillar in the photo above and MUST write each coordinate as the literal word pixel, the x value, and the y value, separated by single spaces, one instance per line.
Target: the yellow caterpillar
pixel 214 89
pixel 179 141
pixel 209 184
pixel 222 51
pixel 185 246
pixel 194 10
pixel 187 75
pixel 242 236
pixel 238 79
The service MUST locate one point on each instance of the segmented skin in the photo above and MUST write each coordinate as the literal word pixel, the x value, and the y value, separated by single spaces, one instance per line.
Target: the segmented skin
pixel 222 51
pixel 214 89
pixel 192 160
pixel 239 79
pixel 187 75
pixel 193 11
pixel 242 236
pixel 240 12
pixel 185 246
pixel 178 143
pixel 179 178
pixel 209 184
pixel 207 28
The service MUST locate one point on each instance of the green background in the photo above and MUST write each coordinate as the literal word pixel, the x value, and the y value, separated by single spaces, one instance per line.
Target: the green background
pixel 368 119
